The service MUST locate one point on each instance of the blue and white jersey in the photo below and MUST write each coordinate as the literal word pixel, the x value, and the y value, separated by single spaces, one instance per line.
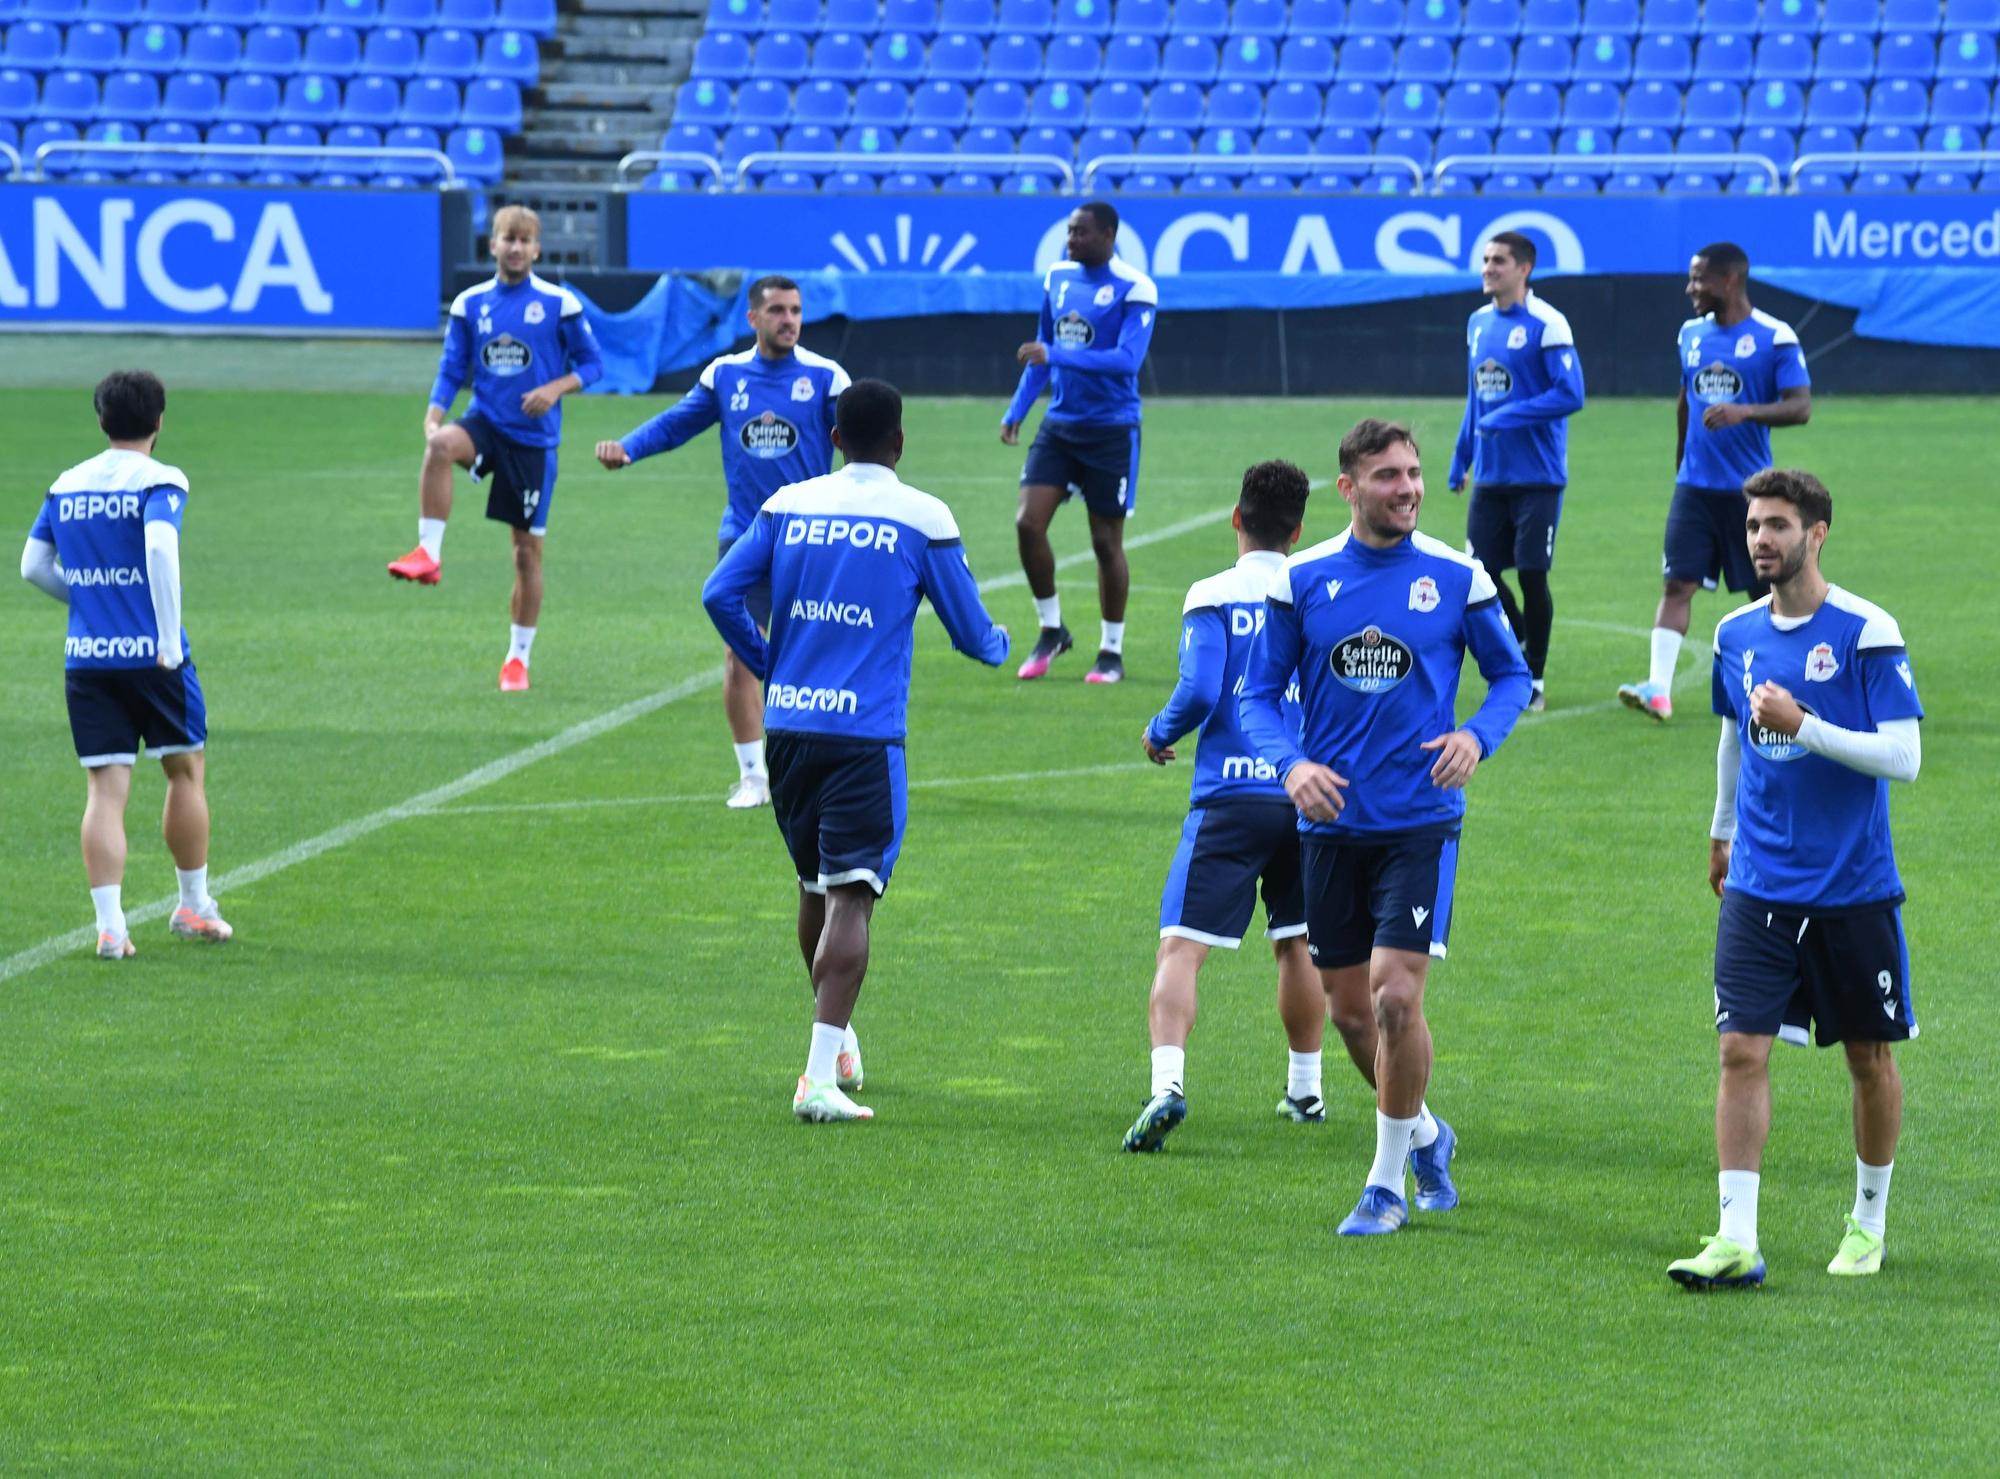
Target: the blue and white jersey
pixel 847 557
pixel 511 337
pixel 777 425
pixel 1523 383
pixel 1221 616
pixel 1751 363
pixel 1377 638
pixel 96 516
pixel 1097 322
pixel 1810 831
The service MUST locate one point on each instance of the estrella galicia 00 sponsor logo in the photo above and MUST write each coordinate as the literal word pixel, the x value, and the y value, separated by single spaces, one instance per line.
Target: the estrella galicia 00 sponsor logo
pixel 1716 383
pixel 1494 380
pixel 505 355
pixel 768 435
pixel 1074 330
pixel 1371 661
pixel 801 699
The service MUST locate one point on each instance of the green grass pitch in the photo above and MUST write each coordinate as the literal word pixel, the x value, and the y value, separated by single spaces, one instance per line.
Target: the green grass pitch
pixel 473 1151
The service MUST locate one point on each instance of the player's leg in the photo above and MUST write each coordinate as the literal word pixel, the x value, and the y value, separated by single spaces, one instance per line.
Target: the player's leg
pixel 1170 1012
pixel 520 494
pixel 1490 535
pixel 446 449
pixel 1302 1000
pixel 1352 1012
pixel 108 787
pixel 1114 582
pixel 1858 968
pixel 1039 502
pixel 524 609
pixel 743 707
pixel 1537 512
pixel 1692 558
pixel 174 723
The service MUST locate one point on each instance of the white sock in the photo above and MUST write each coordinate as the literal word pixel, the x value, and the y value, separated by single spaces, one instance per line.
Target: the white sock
pixel 110 911
pixel 1666 653
pixel 849 1043
pixel 430 534
pixel 1392 1149
pixel 1739 1207
pixel 825 1048
pixel 520 642
pixel 1049 611
pixel 749 759
pixel 1302 1078
pixel 1168 1066
pixel 1426 1132
pixel 1871 1195
pixel 1114 637
pixel 194 887
pixel 1535 685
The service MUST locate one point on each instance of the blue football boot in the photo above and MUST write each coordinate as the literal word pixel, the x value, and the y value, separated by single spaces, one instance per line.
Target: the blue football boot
pixel 1162 1112
pixel 1380 1210
pixel 1431 1167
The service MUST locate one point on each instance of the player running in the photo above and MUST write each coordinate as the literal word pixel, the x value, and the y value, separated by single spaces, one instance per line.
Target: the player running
pixel 107 544
pixel 775 404
pixel 1097 319
pixel 1746 373
pixel 1241 828
pixel 1526 381
pixel 847 558
pixel 508 334
pixel 1376 623
pixel 1819 712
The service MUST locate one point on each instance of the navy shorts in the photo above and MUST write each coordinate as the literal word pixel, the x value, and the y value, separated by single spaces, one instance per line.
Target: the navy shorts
pixel 1513 526
pixel 841 806
pixel 112 711
pixel 1391 894
pixel 758 597
pixel 1780 969
pixel 521 480
pixel 1706 539
pixel 1101 463
pixel 1227 848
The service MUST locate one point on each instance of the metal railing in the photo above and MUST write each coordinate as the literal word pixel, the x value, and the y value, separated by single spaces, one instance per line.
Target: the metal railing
pixel 888 162
pixel 1937 158
pixel 638 157
pixel 1605 164
pixel 1247 164
pixel 13 157
pixel 87 147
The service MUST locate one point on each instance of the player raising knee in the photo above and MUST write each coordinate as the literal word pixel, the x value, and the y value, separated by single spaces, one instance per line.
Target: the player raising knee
pixel 107 544
pixel 1241 827
pixel 526 344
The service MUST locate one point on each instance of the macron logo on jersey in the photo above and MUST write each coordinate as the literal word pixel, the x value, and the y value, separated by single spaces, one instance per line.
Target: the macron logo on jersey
pixel 101 648
pixel 811 700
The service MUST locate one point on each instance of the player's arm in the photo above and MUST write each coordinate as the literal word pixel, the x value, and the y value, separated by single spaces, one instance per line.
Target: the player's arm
pixel 1135 335
pixel 1681 427
pixel 687 418
pixel 1315 789
pixel 39 566
pixel 947 580
pixel 163 570
pixel 1893 749
pixel 1722 827
pixel 1564 397
pixel 1793 407
pixel 1465 448
pixel 1508 686
pixel 747 565
pixel 454 364
pixel 1034 377
pixel 586 365
pixel 1204 658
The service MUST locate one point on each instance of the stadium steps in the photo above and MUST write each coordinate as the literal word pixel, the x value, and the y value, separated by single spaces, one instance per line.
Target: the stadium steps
pixel 607 89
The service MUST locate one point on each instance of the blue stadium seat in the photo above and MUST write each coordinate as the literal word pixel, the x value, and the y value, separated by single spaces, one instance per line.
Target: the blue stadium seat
pixel 1776 104
pixel 840 56
pixel 1779 145
pixel 69 97
pixel 861 17
pixel 1662 58
pixel 1462 141
pixel 1783 58
pixel 428 102
pixel 1544 58
pixel 1014 58
pixel 1695 182
pixel 92 46
pixel 1132 59
pixel 153 48
pixel 114 12
pixel 1680 18
pixel 1846 57
pixel 1989 183
pixel 511 56
pixel 1570 182
pixel 1082 18
pixel 1158 140
pixel 735 15
pixel 969 182
pixel 45 131
pixel 919 17
pixel 392 51
pixel 1471 105
pixel 1058 105
pixel 1025 17
pixel 1247 59
pixel 1880 182
pixel 1484 59
pixel 1176 105
pixel 1329 182
pixel 18 96
pixel 1000 104
pixel 1285 141
pixel 476 154
pixel 895 56
pixel 1073 58
pixel 1344 139
pixel 957 56
pixel 1097 142
pixel 1961 100
pixel 745 138
pixel 986 138
pixel 1268 182
pixel 32 46
pixel 1366 59
pixel 783 56
pixel 1532 105
pixel 1950 138
pixel 1828 138
pixel 1306 59
pixel 1207 182
pixel 1593 105
pixel 1967 54
pixel 292 136
pixel 59 11
pixel 536 17
pixel 1910 17
pixel 1424 59
pixel 692 138
pixel 923 138
pixel 1500 18
pixel 1226 142
pixel 1706 140
pixel 1644 139
pixel 1729 18
pixel 1658 104
pixel 450 52
pixel 172 12
pixel 1559 18
pixel 1405 143
pixel 354 14
pixel 1356 103
pixel 882 103
pixel 1319 18
pixel 1716 104
pixel 723 56
pixel 1382 18
pixel 1972 15
pixel 491 103
pixel 1294 104
pixel 1143 18
pixel 1632 182
pixel 1512 182
pixel 1840 102
pixel 213 49
pixel 809 138
pixel 1118 105
pixel 1943 182
pixel 313 100
pixel 763 100
pixel 129 97
pixel 1234 105
pixel 171 166
pixel 1028 182
pixel 799 16
pixel 250 97
pixel 1604 58
pixel 467 15
pixel 1411 105
pixel 1432 18
pixel 1611 18
pixel 1888 138
pixel 785 181
pixel 1906 55
pixel 1724 59
pixel 1790 15
pixel 1188 59
pixel 416 15
pixel 190 97
pixel 332 51
pixel 1898 100
pixel 968 17
pixel 1523 142
pixel 1264 18
pixel 231 133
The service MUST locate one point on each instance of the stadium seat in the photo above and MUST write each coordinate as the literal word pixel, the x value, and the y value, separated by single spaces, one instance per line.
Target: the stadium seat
pixel 763 100
pixel 1028 182
pixel 1972 15
pixel 969 182
pixel 1706 140
pixel 1789 15
pixel 1729 17
pixel 1355 103
pixel 1424 59
pixel 986 138
pixel 1344 141
pixel 1176 105
pixel 1779 104
pixel 1779 145
pixel 1558 18
pixel 744 139
pixel 354 14
pixel 1413 144
pixel 1967 54
pixel 1828 138
pixel 1082 18
pixel 1500 18
pixel 1655 103
pixel 1524 143
pixel 1910 17
pixel 1695 182
pixel 449 52
pixel 1207 182
pixel 250 97
pixel 1949 138
pixel 129 98
pixel 1716 104
pixel 172 12
pixel 190 97
pixel 1158 140
pixel 884 104
pixel 1266 19
pixel 1025 17
pixel 492 103
pixel 1058 105
pixel 428 102
pixel 1295 141
pixel 809 138
pixel 1118 105
pixel 92 46
pixel 1604 58
pixel 213 49
pixel 865 138
pixel 723 56
pixel 310 100
pixel 1247 59
pixel 1673 18
pixel 536 17
pixel 918 17
pixel 1142 18
pixel 32 46
pixel 1365 59
pixel 392 51
pixel 1268 182
pixel 1132 59
pixel 1234 105
pixel 1073 58
pixel 18 96
pixel 1329 182
pixel 1847 57
pixel 1511 182
pixel 1533 105
pixel 1841 102
pixel 1632 182
pixel 821 101
pixel 1095 143
pixel 1484 59
pixel 1889 138
pixel 894 56
pixel 293 13
pixel 1908 56
pixel 112 12
pixel 1000 104
pixel 467 15
pixel 858 17
pixel 172 165
pixel 1611 18
pixel 1411 105
pixel 1306 59
pixel 967 17
pixel 784 56
pixel 152 48
pixel 1546 58
pixel 1898 101
pixel 58 11
pixel 1644 139
pixel 1943 182
pixel 511 56
pixel 1014 58
pixel 231 134
pixel 1783 58
pixel 955 57
pixel 691 138
pixel 1188 59
pixel 1471 105
pixel 292 136
pixel 1293 104
pixel 800 16
pixel 476 154
pixel 332 51
pixel 1724 59
pixel 1570 182
pixel 1463 142
pixel 1441 18
pixel 1663 58
pixel 1326 18
pixel 1880 182
pixel 1961 100
pixel 1226 143
pixel 1593 105
pixel 417 15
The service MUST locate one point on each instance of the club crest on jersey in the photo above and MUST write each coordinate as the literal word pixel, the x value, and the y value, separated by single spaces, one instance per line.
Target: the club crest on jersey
pixel 1717 382
pixel 1104 295
pixel 802 388
pixel 1371 661
pixel 505 355
pixel 1073 330
pixel 1821 664
pixel 535 313
pixel 768 435
pixel 1493 379
pixel 1517 337
pixel 1746 346
pixel 1423 594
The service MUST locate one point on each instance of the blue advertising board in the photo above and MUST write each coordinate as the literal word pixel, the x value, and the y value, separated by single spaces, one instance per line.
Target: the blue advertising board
pixel 320 261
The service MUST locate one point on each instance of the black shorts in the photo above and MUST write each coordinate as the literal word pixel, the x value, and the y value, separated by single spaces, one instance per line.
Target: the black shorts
pixel 522 480
pixel 1706 539
pixel 1227 848
pixel 840 805
pixel 112 711
pixel 1391 894
pixel 1780 969
pixel 1099 462
pixel 1513 526
pixel 758 597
